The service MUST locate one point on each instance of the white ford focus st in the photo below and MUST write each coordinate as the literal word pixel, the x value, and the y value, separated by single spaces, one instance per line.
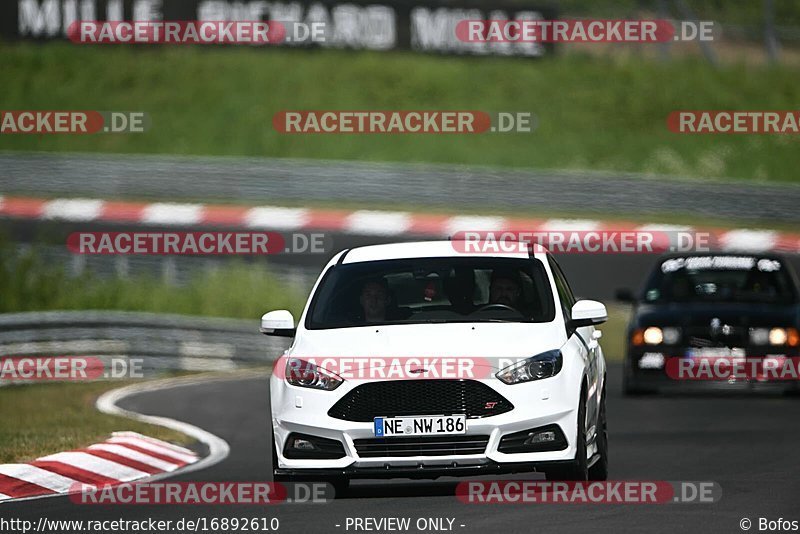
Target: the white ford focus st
pixel 421 360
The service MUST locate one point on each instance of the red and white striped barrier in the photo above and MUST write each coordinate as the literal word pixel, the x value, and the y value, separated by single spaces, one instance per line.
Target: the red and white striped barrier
pixel 124 457
pixel 360 222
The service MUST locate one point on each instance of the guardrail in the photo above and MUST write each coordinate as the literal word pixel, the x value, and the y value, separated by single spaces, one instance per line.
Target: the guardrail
pixel 161 341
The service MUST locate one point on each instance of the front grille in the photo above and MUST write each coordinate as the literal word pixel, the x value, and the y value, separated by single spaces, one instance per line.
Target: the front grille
pixel 698 337
pixel 420 397
pixel 421 446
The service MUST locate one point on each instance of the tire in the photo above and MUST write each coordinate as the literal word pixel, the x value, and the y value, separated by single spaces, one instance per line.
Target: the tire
pixel 599 471
pixel 578 468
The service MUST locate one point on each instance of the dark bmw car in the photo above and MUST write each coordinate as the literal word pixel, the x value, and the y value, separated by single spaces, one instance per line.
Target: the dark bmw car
pixel 714 319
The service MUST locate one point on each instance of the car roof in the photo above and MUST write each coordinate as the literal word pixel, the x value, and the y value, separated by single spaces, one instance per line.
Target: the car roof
pixel 737 253
pixel 432 249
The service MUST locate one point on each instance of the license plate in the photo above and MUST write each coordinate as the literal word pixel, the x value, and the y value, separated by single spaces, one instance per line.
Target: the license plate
pixel 715 352
pixel 420 425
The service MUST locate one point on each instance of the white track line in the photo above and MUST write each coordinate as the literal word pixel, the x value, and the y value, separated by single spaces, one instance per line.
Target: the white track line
pixel 218 448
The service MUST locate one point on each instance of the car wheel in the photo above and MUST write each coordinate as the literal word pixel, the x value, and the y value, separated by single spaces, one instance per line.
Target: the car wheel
pixel 599 471
pixel 577 469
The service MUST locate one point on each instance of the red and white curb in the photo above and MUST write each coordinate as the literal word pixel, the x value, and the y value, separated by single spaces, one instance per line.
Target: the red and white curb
pixel 359 222
pixel 124 457
pixel 133 453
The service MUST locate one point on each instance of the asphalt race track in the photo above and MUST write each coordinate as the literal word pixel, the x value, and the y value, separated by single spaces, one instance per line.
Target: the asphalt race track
pixel 747 444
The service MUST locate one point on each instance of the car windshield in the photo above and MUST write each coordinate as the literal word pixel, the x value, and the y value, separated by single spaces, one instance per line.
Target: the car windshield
pixel 720 278
pixel 432 290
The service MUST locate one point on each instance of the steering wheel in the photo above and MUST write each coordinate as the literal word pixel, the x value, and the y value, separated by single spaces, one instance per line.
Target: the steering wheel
pixel 496 306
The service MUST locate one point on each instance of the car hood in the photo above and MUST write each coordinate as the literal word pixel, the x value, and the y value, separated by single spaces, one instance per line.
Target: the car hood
pixel 487 340
pixel 701 314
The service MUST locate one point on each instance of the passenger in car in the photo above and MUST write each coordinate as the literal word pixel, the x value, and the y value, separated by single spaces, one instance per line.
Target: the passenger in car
pixel 376 303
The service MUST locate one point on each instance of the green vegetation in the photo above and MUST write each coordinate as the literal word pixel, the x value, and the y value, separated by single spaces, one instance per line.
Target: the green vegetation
pixel 32 427
pixel 27 283
pixel 597 113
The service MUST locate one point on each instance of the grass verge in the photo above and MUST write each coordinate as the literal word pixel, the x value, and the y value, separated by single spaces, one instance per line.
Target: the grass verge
pixel 40 419
pixel 593 113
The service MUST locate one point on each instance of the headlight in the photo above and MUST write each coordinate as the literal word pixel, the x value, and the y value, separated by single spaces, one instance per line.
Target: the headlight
pixel 542 365
pixel 759 336
pixel 774 336
pixel 308 375
pixel 777 336
pixel 653 335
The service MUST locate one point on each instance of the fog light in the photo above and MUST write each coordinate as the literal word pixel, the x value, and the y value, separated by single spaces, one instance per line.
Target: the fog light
pixel 651 360
pixel 541 437
pixel 302 445
pixel 307 447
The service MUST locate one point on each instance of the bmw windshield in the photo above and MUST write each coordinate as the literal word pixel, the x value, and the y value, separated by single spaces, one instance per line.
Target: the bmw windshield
pixel 721 278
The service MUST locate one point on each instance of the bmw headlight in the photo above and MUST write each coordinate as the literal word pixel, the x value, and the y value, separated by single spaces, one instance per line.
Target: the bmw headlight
pixel 774 336
pixel 669 335
pixel 542 365
pixel 305 374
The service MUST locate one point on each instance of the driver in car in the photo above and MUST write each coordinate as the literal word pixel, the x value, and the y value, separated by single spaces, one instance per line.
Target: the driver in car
pixel 505 288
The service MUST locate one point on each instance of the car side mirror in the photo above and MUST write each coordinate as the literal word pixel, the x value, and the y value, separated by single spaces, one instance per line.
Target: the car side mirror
pixel 278 323
pixel 624 295
pixel 588 313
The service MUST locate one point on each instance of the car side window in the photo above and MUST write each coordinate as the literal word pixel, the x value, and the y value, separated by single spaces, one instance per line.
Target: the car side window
pixel 562 287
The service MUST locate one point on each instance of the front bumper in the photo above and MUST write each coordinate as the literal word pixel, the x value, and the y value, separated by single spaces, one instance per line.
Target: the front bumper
pixel 642 371
pixel 537 404
pixel 422 470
